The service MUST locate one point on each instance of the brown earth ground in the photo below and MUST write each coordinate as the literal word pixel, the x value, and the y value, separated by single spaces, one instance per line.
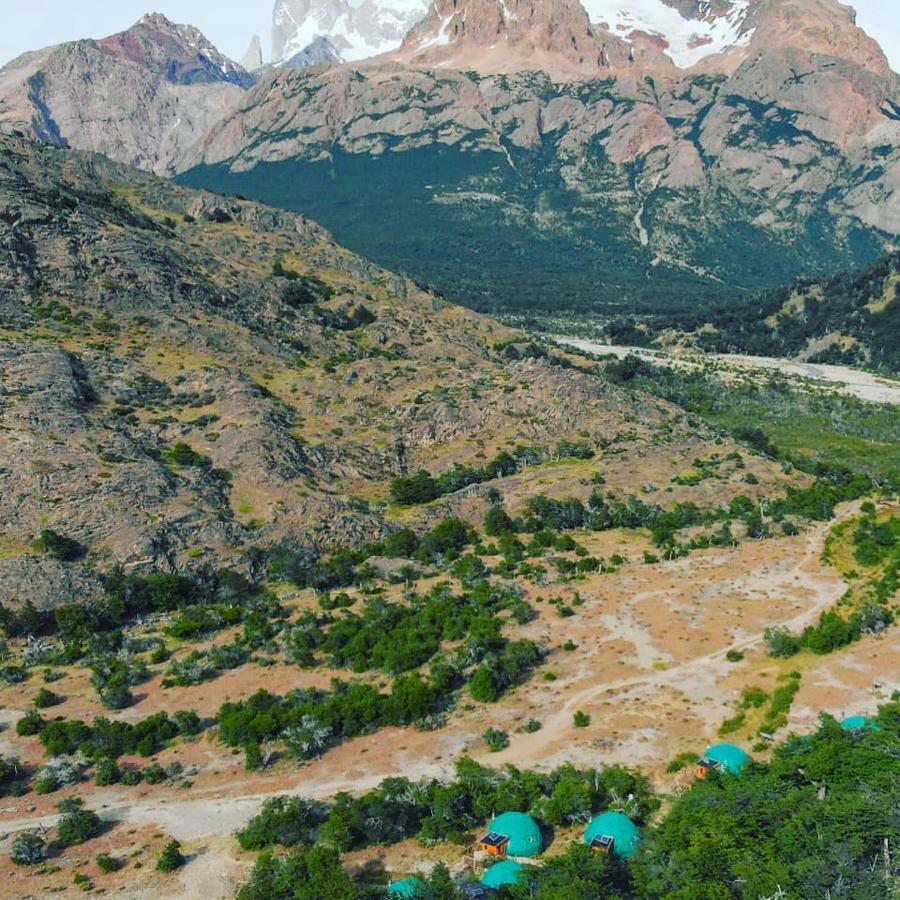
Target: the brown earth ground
pixel 649 667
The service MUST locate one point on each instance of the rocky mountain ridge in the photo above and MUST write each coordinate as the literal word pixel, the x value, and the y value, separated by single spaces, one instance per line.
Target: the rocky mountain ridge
pixel 141 97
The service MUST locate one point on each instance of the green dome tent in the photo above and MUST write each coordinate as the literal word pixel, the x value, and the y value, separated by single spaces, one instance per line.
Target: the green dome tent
pixel 726 757
pixel 503 874
pixel 859 723
pixel 408 889
pixel 523 832
pixel 614 832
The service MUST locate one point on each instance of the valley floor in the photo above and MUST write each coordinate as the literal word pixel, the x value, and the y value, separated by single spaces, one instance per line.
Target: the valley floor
pixel 649 667
pixel 845 380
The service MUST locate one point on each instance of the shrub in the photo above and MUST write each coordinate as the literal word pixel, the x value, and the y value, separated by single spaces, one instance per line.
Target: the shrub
pixel 30 724
pixel 782 644
pixel 412 490
pixel 734 656
pixel 184 456
pixel 498 523
pixel 108 772
pixel 11 775
pixel 77 824
pixel 171 858
pixel 682 761
pixel 28 849
pixel 58 546
pixel 45 699
pixel 581 719
pixel 496 740
pixel 108 864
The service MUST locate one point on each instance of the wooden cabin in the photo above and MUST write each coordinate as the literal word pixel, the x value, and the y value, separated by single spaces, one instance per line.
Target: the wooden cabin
pixel 603 843
pixel 706 765
pixel 494 844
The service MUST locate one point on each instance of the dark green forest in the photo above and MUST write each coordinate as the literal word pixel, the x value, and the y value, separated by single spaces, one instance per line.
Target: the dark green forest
pixel 862 305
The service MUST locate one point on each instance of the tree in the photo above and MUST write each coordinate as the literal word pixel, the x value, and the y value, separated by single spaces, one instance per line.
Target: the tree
pixel 171 858
pixel 441 886
pixel 309 873
pixel 28 849
pixel 497 522
pixel 412 490
pixel 77 824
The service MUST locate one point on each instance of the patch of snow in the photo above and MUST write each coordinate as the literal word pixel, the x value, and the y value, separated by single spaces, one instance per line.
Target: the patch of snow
pixel 358 29
pixel 688 40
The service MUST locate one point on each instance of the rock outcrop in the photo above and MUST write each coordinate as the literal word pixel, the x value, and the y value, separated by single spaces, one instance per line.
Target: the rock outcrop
pixel 253 58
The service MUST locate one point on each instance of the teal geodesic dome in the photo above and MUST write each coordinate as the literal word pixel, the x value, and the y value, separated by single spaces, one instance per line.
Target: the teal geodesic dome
pixel 859 723
pixel 619 828
pixel 408 889
pixel 523 832
pixel 731 758
pixel 503 874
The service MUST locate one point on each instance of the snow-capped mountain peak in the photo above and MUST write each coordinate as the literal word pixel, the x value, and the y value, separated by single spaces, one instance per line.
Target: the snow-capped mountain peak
pixel 685 30
pixel 357 29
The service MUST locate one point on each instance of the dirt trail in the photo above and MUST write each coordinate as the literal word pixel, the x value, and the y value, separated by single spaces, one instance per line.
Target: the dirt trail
pixel 701 674
pixel 844 380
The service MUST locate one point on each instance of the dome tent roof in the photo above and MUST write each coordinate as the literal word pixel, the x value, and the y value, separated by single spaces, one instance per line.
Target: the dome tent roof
pixel 408 888
pixel 523 832
pixel 503 874
pixel 732 759
pixel 625 835
pixel 859 723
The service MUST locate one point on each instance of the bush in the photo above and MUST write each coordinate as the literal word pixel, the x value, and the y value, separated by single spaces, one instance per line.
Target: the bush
pixel 58 546
pixel 108 864
pixel 30 724
pixel 283 821
pixel 171 858
pixel 11 775
pixel 496 740
pixel 734 656
pixel 28 849
pixel 44 699
pixel 108 772
pixel 184 456
pixel 581 719
pixel 498 523
pixel 782 644
pixel 414 489
pixel 681 762
pixel 77 824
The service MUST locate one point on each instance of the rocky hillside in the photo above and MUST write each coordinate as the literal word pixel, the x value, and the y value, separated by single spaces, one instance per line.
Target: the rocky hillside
pixel 640 184
pixel 141 97
pixel 186 380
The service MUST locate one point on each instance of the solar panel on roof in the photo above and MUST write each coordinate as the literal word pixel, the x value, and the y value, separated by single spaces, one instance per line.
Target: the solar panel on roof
pixel 495 839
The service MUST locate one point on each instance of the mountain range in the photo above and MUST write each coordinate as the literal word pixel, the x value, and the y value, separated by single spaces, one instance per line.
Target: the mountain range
pixel 604 156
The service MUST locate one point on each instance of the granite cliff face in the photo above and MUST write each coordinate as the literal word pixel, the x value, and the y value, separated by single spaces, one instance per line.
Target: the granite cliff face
pixel 141 97
pixel 776 157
